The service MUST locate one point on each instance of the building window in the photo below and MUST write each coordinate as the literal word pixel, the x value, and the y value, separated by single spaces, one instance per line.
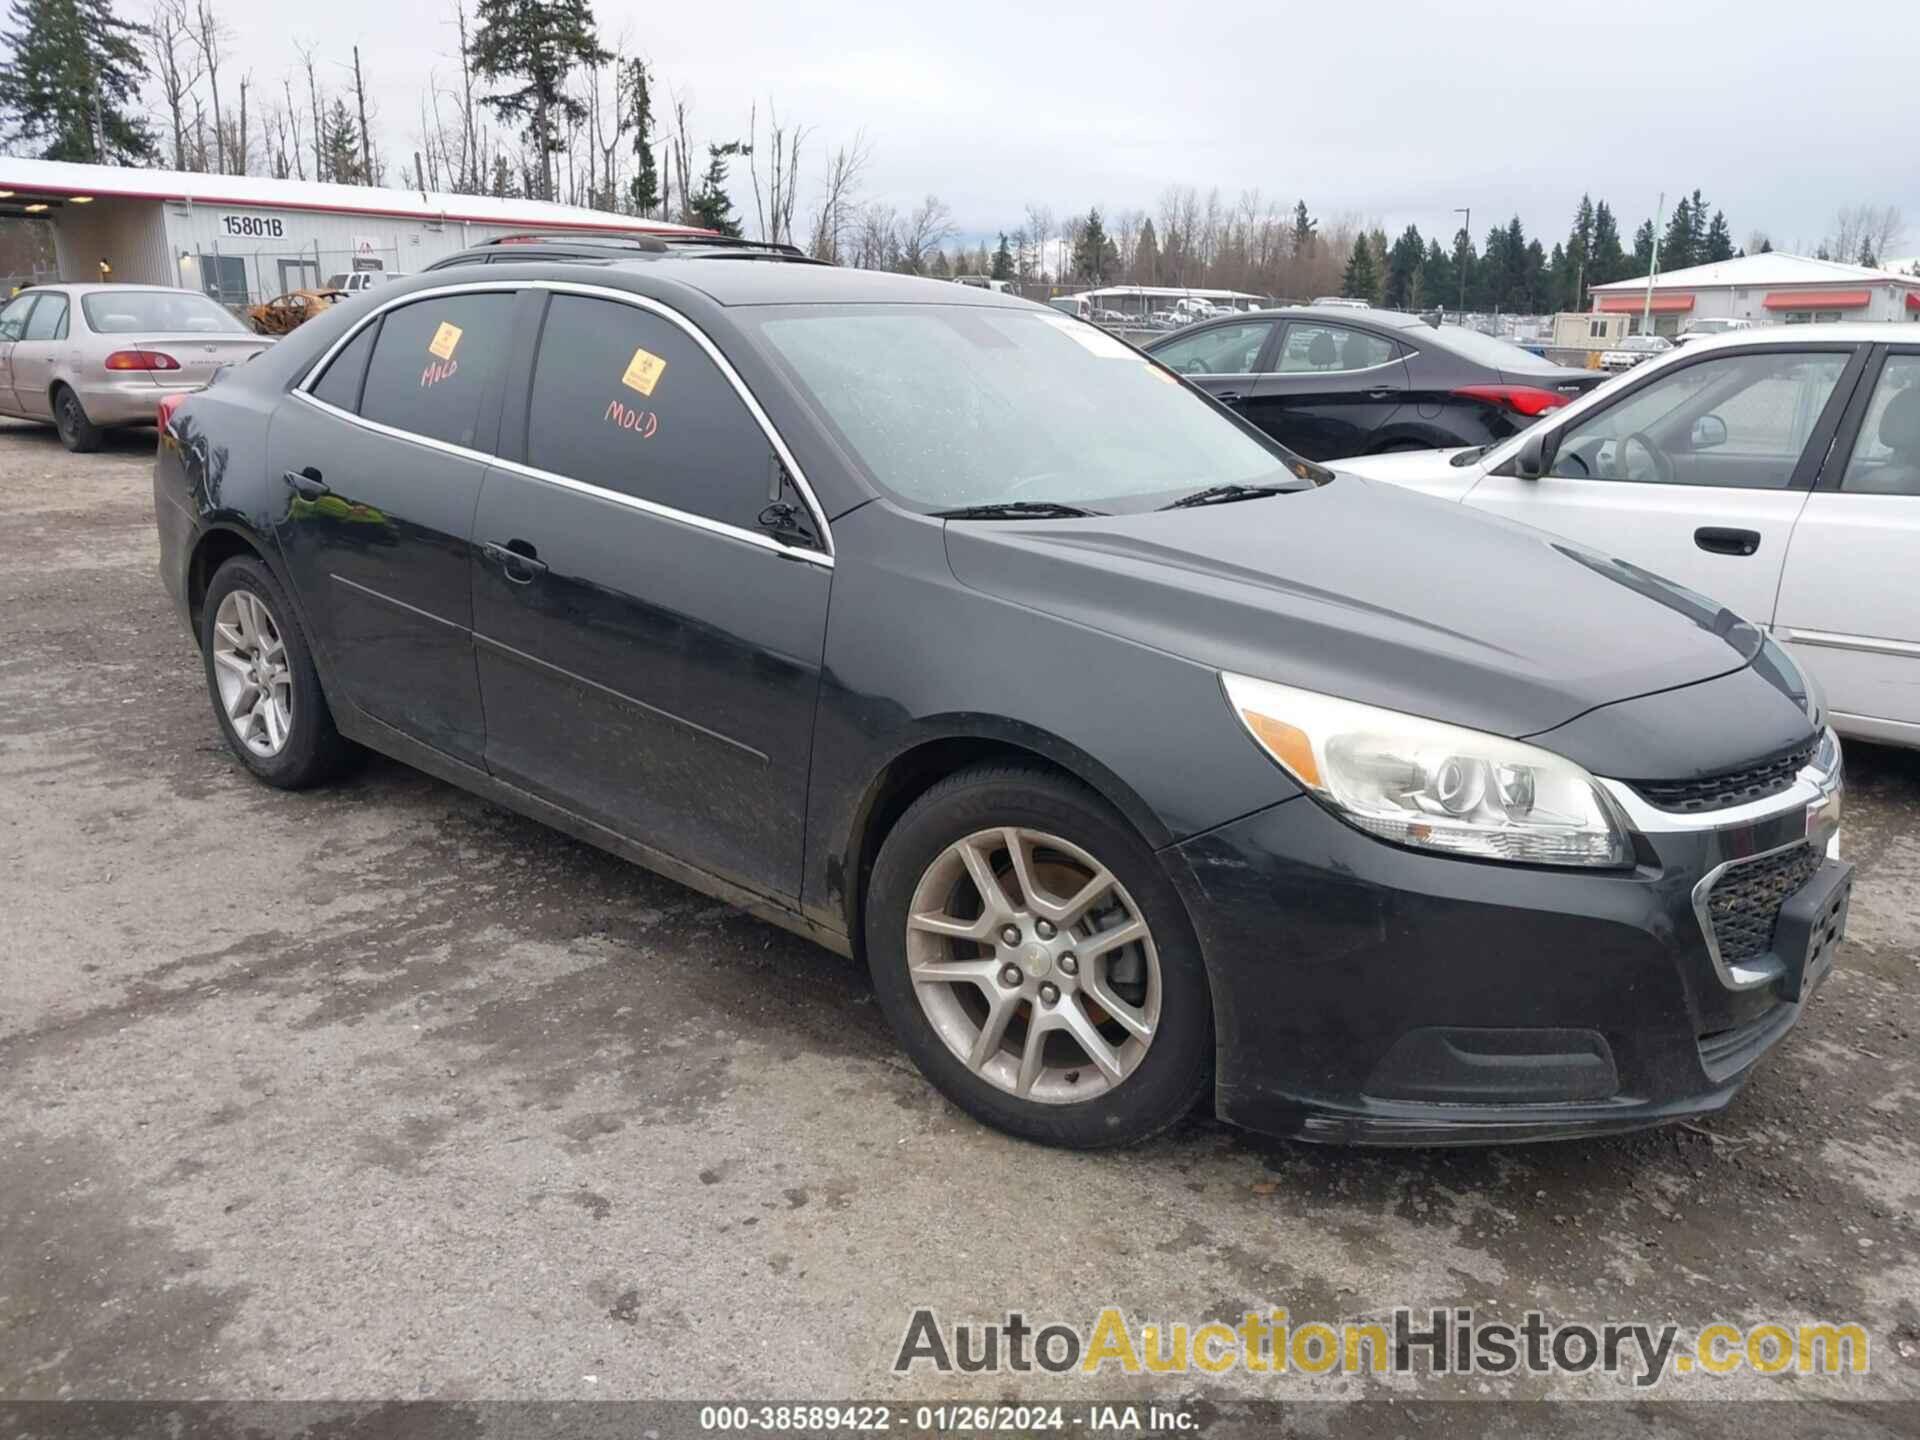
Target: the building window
pixel 224 277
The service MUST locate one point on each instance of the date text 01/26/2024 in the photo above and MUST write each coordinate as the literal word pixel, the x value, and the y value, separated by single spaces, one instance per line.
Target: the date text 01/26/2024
pixel 959 1418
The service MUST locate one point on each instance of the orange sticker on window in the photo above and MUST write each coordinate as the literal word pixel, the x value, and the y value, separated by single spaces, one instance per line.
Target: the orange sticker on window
pixel 644 372
pixel 444 339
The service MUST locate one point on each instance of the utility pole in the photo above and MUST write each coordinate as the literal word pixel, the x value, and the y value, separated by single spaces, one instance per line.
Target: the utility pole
pixel 1467 227
pixel 1646 309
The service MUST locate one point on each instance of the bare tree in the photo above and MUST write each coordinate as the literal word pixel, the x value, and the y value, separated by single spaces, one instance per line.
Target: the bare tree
pixel 680 160
pixel 209 34
pixel 293 130
pixel 783 176
pixel 923 233
pixel 170 37
pixel 366 131
pixel 834 222
pixel 1866 233
pixel 313 98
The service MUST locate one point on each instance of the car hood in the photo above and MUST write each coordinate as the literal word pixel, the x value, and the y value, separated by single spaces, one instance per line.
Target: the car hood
pixel 1371 593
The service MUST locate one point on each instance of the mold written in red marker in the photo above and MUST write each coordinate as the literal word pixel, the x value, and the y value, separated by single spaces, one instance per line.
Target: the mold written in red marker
pixel 642 422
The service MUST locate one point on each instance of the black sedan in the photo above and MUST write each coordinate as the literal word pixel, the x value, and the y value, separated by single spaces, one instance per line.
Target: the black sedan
pixel 1143 762
pixel 1330 383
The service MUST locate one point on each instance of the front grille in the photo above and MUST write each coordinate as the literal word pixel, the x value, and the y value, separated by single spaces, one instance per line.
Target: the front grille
pixel 1744 903
pixel 1734 787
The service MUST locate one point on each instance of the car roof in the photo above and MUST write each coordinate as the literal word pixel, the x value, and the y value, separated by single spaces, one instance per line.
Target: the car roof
pixel 730 282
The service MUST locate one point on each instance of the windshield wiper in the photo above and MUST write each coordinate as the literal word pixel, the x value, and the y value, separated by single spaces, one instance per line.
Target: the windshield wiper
pixel 1017 510
pixel 1223 494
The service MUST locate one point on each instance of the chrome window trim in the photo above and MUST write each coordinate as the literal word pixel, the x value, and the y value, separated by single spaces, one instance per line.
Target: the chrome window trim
pixel 822 557
pixel 1867 644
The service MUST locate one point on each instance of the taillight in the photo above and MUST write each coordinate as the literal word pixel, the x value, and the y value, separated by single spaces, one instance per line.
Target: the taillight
pixel 141 360
pixel 168 404
pixel 1520 399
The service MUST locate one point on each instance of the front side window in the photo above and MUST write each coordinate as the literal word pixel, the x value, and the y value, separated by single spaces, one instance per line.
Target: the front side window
pixel 434 363
pixel 1315 348
pixel 947 406
pixel 628 401
pixel 1886 456
pixel 1758 409
pixel 1225 350
pixel 156 312
pixel 49 320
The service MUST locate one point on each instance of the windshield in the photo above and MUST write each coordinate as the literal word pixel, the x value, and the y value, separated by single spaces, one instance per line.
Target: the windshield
pixel 948 406
pixel 157 312
pixel 1487 350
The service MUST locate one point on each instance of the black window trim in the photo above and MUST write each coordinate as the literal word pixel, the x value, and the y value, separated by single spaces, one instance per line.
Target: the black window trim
pixel 303 390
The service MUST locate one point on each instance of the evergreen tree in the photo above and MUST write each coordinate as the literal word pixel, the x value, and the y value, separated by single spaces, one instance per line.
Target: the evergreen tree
pixel 711 206
pixel 1866 256
pixel 1466 270
pixel 645 186
pixel 1676 246
pixel 1377 240
pixel 1719 244
pixel 1766 245
pixel 1146 256
pixel 1439 286
pixel 1002 260
pixel 1362 278
pixel 1643 249
pixel 1571 265
pixel 1697 229
pixel 501 187
pixel 1091 249
pixel 1535 293
pixel 1606 261
pixel 1305 230
pixel 1402 261
pixel 70 86
pixel 538 42
pixel 340 145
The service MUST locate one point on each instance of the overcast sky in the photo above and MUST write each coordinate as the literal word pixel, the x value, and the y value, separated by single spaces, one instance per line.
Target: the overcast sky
pixel 1780 111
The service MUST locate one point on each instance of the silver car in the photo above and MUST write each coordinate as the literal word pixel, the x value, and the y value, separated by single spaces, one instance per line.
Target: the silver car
pixel 85 358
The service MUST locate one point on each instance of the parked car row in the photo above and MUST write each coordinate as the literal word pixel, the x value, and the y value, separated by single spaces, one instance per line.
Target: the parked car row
pixel 1143 760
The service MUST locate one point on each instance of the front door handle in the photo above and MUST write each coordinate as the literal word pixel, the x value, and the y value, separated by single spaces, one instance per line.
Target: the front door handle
pixel 306 483
pixel 1381 394
pixel 518 558
pixel 1228 397
pixel 1721 540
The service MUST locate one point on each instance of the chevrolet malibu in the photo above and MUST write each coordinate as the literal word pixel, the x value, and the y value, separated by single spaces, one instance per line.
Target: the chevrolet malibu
pixel 1143 763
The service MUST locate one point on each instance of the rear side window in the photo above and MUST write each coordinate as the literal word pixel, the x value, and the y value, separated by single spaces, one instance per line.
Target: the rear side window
pixel 627 401
pixel 49 320
pixel 1312 348
pixel 340 383
pixel 434 363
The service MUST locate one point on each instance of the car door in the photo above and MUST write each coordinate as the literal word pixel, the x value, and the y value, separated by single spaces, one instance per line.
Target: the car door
pixel 649 651
pixel 1635 477
pixel 1849 601
pixel 1331 389
pixel 1222 359
pixel 380 460
pixel 37 353
pixel 13 324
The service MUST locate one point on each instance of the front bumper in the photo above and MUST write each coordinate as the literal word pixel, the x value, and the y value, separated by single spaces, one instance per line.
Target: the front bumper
pixel 1366 993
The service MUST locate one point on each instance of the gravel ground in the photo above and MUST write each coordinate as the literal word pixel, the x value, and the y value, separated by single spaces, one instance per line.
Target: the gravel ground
pixel 383 1092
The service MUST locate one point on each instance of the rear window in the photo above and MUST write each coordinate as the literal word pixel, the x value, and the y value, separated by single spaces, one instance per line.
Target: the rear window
pixel 1488 350
pixel 157 312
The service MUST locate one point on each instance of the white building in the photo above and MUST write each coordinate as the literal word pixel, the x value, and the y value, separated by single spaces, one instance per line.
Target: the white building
pixel 245 238
pixel 1770 289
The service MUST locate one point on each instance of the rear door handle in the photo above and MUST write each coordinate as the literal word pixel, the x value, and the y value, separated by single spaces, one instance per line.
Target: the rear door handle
pixel 306 483
pixel 1721 540
pixel 1382 394
pixel 517 558
pixel 1228 397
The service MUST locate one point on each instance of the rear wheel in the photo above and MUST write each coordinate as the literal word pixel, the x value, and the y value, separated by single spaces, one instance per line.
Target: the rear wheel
pixel 261 678
pixel 77 432
pixel 1035 961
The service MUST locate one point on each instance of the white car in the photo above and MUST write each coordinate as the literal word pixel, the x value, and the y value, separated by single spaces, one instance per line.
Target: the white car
pixel 1775 470
pixel 1713 325
pixel 1634 349
pixel 354 282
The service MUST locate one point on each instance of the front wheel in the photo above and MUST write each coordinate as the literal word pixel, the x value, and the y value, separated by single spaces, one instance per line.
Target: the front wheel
pixel 1036 962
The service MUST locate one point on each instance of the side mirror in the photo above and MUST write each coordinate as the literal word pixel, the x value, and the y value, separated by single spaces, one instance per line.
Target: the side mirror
pixel 1709 431
pixel 1531 461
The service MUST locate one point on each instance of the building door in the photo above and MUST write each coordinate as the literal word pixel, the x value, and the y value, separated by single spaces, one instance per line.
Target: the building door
pixel 299 275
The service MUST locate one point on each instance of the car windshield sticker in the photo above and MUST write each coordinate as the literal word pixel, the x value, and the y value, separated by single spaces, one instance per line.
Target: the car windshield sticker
pixel 1090 338
pixel 444 340
pixel 644 372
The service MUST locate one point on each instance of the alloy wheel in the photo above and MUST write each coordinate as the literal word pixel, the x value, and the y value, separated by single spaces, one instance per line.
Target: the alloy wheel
pixel 1034 965
pixel 250 667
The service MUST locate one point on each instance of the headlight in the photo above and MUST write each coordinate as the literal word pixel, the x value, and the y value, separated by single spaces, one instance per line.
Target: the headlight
pixel 1433 786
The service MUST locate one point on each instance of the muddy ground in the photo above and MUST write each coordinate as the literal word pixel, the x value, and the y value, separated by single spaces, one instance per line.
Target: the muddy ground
pixel 384 1092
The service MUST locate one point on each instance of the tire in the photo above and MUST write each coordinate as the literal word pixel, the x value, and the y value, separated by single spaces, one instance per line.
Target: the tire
pixel 1067 835
pixel 309 749
pixel 77 432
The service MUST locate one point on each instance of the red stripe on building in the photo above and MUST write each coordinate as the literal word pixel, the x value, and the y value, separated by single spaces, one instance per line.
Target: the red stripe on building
pixel 1819 299
pixel 1665 304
